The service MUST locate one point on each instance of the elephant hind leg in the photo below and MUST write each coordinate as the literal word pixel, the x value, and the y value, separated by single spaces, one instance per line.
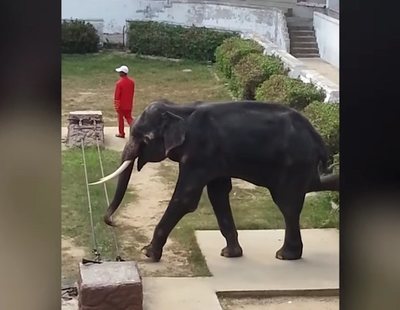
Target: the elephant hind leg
pixel 218 192
pixel 290 202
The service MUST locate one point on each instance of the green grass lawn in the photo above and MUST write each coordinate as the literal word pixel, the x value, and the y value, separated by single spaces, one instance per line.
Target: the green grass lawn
pixel 75 207
pixel 88 82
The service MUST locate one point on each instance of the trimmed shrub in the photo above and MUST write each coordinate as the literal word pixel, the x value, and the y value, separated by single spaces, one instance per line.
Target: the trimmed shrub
pixel 78 37
pixel 251 71
pixel 231 51
pixel 325 119
pixel 293 92
pixel 162 39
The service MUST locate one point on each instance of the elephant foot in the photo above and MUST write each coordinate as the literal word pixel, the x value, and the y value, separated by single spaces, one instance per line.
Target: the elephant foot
pixel 153 254
pixel 284 253
pixel 232 251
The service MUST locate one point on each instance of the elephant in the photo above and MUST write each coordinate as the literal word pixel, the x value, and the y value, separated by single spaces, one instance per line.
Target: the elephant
pixel 265 143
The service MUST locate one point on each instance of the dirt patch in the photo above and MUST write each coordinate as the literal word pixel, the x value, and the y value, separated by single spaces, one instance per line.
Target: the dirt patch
pixel 281 303
pixel 71 256
pixel 143 215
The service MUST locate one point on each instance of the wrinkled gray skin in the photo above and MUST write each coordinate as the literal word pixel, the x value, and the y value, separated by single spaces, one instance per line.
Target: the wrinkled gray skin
pixel 213 143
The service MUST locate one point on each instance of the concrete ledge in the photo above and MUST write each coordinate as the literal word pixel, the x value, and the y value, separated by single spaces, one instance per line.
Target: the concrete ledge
pixel 279 293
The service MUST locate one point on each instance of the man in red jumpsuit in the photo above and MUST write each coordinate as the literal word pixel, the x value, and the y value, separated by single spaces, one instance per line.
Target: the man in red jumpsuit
pixel 123 99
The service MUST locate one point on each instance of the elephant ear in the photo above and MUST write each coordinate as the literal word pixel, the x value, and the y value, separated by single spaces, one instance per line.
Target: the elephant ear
pixel 174 131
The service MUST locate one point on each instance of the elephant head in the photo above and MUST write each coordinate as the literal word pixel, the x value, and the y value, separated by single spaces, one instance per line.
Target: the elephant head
pixel 158 131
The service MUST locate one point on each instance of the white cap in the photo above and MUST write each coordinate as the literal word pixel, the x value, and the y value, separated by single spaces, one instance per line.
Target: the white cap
pixel 122 69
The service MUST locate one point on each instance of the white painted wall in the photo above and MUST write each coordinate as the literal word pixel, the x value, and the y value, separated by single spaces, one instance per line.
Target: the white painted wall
pixel 269 23
pixel 327 34
pixel 333 5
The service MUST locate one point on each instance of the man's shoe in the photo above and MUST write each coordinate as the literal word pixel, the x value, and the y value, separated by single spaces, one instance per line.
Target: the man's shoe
pixel 120 136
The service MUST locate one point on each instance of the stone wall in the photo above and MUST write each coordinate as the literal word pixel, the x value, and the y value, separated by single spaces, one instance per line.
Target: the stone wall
pixel 87 126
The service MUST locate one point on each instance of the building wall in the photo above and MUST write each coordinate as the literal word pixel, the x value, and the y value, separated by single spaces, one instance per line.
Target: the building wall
pixel 333 5
pixel 269 22
pixel 327 34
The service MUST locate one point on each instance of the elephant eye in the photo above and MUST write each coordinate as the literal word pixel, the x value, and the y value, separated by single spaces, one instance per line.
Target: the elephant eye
pixel 148 137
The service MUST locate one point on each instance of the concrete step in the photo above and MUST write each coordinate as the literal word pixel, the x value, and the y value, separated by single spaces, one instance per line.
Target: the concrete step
pixel 310 27
pixel 301 32
pixel 312 55
pixel 297 44
pixel 303 39
pixel 304 50
pixel 299 22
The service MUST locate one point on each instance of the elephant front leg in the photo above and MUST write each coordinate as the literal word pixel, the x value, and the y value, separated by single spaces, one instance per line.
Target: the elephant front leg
pixel 218 193
pixel 184 200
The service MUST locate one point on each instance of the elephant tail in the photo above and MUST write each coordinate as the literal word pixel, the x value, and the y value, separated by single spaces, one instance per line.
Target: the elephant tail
pixel 323 155
pixel 322 152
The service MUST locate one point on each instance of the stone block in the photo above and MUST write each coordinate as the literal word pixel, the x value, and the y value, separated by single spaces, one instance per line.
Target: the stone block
pixel 87 126
pixel 110 286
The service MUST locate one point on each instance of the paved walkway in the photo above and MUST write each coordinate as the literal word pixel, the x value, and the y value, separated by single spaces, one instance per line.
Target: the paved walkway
pixel 258 270
pixel 322 67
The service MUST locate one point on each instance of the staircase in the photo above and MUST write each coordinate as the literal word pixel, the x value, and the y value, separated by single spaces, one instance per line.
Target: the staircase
pixel 303 43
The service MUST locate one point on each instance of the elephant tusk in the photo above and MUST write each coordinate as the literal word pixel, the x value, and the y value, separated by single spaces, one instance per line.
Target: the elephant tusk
pixel 124 165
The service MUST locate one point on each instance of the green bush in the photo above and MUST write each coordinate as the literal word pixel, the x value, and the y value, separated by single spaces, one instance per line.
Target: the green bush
pixel 325 119
pixel 335 196
pixel 231 51
pixel 251 71
pixel 162 39
pixel 293 92
pixel 78 37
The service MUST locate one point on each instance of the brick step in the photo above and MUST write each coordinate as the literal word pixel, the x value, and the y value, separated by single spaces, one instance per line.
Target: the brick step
pixel 312 55
pixel 296 44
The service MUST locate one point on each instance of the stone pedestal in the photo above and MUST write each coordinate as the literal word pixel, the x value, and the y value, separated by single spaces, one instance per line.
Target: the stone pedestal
pixel 86 125
pixel 110 286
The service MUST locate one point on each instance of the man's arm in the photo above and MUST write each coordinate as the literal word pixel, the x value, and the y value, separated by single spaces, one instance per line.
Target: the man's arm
pixel 117 96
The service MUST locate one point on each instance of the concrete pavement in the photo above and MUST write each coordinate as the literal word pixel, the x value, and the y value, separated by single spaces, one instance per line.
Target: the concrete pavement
pixel 322 67
pixel 259 270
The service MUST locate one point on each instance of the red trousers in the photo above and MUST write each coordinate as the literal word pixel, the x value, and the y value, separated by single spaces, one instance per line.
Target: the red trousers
pixel 121 115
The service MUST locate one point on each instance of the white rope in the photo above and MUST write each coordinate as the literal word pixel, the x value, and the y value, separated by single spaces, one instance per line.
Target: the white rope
pixel 89 201
pixel 107 199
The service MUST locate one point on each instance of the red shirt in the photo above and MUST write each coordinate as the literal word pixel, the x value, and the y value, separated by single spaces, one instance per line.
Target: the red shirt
pixel 124 93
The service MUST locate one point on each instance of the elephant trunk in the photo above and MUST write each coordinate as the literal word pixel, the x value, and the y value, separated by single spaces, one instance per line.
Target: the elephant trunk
pixel 129 155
